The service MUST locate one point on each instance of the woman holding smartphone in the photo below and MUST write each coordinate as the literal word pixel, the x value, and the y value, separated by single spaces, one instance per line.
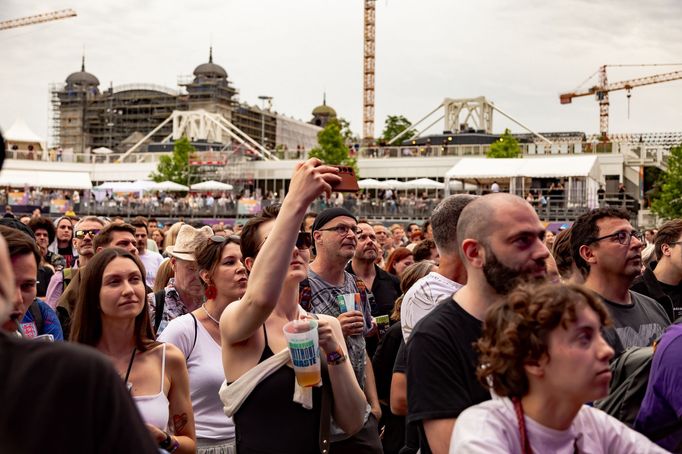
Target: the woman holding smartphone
pixel 269 417
pixel 543 352
pixel 112 316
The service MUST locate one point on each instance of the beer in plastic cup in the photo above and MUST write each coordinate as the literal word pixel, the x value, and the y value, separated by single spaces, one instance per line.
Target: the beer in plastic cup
pixel 383 322
pixel 304 349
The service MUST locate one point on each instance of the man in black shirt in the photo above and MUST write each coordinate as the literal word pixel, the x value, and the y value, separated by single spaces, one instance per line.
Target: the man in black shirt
pixel 500 239
pixel 661 281
pixel 608 250
pixel 58 397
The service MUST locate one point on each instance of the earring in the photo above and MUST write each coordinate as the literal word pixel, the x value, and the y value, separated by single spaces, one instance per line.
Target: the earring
pixel 211 292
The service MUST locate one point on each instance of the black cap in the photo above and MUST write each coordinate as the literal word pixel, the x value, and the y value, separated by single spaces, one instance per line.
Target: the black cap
pixel 326 216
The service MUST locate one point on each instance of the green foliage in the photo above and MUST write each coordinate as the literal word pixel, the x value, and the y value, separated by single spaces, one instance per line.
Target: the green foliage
pixel 506 147
pixel 394 125
pixel 332 148
pixel 176 166
pixel 348 136
pixel 667 202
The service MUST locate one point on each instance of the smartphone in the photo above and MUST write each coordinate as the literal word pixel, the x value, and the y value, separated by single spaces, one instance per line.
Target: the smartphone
pixel 349 182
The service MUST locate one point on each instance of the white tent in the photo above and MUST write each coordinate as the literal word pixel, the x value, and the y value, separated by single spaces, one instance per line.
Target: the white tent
pixel 423 183
pixel 577 169
pixel 211 185
pixel 458 186
pixel 102 150
pixel 20 132
pixel 169 186
pixel 124 186
pixel 371 183
pixel 394 184
pixel 45 179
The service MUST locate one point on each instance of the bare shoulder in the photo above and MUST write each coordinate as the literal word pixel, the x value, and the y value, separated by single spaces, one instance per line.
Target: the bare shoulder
pixel 174 357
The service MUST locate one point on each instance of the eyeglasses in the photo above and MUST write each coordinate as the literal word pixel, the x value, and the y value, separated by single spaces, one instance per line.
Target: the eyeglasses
pixel 343 229
pixel 304 240
pixel 80 234
pixel 623 237
pixel 221 239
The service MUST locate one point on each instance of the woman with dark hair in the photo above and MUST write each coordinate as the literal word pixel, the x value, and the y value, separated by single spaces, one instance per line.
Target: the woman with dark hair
pixel 272 413
pixel 542 351
pixel 197 335
pixel 399 259
pixel 112 316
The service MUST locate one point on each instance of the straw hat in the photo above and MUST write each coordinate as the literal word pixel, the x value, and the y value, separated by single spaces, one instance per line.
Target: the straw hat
pixel 187 241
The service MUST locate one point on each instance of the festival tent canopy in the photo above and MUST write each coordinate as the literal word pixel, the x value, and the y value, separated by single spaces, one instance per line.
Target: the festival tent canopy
pixel 45 179
pixel 211 185
pixel 371 183
pixel 422 183
pixel 102 150
pixel 395 184
pixel 554 167
pixel 20 132
pixel 169 186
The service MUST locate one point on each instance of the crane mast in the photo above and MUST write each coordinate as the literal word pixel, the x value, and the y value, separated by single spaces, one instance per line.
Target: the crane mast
pixel 37 19
pixel 602 90
pixel 368 72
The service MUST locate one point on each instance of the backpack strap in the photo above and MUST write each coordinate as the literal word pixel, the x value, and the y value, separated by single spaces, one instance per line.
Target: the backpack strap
pixel 37 316
pixel 67 275
pixel 160 299
pixel 196 332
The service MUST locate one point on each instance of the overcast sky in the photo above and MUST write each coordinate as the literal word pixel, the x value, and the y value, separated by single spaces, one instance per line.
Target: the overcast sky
pixel 519 54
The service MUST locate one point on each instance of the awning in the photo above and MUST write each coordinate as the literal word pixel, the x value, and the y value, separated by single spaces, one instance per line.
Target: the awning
pixel 45 179
pixel 547 167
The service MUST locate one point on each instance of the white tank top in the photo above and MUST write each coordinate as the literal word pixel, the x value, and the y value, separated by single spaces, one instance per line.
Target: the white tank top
pixel 155 408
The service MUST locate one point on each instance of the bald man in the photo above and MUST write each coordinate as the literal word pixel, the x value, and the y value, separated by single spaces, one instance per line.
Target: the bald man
pixel 501 243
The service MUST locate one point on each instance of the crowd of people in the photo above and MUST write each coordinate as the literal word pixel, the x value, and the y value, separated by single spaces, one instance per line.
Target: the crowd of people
pixel 475 331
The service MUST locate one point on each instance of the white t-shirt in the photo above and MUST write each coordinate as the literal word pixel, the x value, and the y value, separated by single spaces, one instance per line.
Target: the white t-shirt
pixel 206 375
pixel 423 297
pixel 491 427
pixel 152 261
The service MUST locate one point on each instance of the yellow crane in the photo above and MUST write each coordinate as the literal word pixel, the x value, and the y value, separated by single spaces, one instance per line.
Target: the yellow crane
pixel 37 19
pixel 603 87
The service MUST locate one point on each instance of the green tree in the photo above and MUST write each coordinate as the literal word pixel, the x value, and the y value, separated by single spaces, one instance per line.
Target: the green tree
pixel 394 125
pixel 505 147
pixel 667 202
pixel 332 148
pixel 348 136
pixel 176 166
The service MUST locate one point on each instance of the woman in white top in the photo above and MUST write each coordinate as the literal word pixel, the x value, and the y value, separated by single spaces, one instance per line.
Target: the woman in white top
pixel 112 316
pixel 543 352
pixel 197 335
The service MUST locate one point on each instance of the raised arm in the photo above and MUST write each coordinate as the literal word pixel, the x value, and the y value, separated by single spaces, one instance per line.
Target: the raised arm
pixel 241 319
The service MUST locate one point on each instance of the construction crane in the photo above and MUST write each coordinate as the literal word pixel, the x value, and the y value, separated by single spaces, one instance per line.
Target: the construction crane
pixel 602 89
pixel 37 19
pixel 368 73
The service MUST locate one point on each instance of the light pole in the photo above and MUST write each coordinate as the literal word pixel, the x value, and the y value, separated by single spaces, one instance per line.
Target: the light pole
pixel 264 99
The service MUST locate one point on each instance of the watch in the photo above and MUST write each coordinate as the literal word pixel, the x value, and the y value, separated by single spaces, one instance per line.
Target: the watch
pixel 336 357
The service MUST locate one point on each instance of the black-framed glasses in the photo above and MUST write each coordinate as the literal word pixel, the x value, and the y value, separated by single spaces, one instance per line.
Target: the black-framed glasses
pixel 80 234
pixel 623 237
pixel 343 229
pixel 221 239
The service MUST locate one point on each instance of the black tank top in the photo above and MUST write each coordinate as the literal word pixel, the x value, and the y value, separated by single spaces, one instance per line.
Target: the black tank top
pixel 269 421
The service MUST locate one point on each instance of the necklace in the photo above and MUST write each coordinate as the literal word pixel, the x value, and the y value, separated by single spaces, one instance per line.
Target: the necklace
pixel 203 306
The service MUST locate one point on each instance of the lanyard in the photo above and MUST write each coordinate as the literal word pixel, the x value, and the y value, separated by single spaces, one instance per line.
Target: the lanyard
pixel 523 434
pixel 130 366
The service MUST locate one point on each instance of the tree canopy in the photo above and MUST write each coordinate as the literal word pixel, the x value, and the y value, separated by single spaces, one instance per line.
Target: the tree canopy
pixel 667 202
pixel 332 148
pixel 176 166
pixel 505 147
pixel 394 125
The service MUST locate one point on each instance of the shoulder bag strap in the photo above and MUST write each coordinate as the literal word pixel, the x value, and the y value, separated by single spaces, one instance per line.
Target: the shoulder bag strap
pixel 196 329
pixel 160 298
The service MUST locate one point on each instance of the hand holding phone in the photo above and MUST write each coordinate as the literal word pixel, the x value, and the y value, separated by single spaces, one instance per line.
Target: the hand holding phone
pixel 349 182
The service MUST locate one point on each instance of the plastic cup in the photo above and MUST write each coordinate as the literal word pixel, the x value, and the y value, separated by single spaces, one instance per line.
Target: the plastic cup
pixel 304 348
pixel 383 322
pixel 347 302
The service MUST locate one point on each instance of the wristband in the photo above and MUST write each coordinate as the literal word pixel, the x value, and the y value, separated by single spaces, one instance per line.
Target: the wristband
pixel 336 357
pixel 169 443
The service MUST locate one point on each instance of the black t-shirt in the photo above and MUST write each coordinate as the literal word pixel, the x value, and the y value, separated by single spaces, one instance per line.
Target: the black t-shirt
pixel 675 294
pixel 441 366
pixel 67 254
pixel 65 398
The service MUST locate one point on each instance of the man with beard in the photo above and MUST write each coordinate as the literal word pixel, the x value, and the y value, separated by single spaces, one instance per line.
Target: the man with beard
pixel 336 292
pixel 500 240
pixel 607 249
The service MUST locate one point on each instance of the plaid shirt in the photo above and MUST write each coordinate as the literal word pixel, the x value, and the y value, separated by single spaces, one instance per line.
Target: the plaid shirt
pixel 173 306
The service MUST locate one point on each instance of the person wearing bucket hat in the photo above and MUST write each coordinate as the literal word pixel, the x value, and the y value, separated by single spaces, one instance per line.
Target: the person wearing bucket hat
pixel 184 292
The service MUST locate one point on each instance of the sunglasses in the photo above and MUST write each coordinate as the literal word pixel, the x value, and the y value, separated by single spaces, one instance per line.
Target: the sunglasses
pixel 219 239
pixel 304 240
pixel 80 234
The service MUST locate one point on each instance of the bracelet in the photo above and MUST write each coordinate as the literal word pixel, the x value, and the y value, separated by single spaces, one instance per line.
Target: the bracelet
pixel 169 443
pixel 336 357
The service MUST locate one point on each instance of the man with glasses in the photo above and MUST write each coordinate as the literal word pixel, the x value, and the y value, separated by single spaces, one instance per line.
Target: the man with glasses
pixel 84 232
pixel 336 292
pixel 607 249
pixel 661 279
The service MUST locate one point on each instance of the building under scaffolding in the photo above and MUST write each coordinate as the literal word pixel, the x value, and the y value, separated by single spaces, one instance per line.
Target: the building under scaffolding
pixel 83 118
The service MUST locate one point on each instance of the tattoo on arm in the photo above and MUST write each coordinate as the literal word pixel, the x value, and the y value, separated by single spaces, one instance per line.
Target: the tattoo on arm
pixel 179 422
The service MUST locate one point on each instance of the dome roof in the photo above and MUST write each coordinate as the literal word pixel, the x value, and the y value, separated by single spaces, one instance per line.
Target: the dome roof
pixel 210 69
pixel 324 110
pixel 82 77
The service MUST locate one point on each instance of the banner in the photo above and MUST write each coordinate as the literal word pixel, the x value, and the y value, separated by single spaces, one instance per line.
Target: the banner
pixel 60 206
pixel 248 206
pixel 16 198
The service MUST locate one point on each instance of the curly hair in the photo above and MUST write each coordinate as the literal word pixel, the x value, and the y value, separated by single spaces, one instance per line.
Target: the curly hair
pixel 516 331
pixel 45 224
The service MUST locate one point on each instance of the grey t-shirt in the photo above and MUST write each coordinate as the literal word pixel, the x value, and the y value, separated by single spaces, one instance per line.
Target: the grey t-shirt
pixel 635 325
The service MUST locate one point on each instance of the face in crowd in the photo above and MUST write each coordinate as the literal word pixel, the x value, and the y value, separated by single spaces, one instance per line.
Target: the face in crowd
pixel 300 255
pixel 141 239
pixel 382 234
pixel 64 230
pixel 617 250
pixel 122 293
pixel 367 248
pixel 83 237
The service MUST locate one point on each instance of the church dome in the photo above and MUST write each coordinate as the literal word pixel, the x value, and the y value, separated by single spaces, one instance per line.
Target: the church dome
pixel 82 77
pixel 210 69
pixel 324 110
